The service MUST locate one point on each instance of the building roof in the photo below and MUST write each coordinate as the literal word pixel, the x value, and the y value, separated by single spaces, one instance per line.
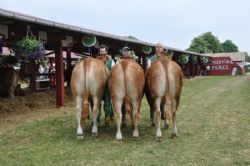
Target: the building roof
pixel 57 25
pixel 235 56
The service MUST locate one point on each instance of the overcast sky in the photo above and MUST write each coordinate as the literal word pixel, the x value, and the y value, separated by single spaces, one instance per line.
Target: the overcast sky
pixel 173 22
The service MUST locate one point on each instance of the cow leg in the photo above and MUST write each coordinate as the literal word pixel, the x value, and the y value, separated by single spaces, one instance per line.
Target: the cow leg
pixel 157 116
pixel 174 110
pixel 118 117
pixel 167 110
pixel 152 116
pixel 136 117
pixel 79 117
pixel 96 104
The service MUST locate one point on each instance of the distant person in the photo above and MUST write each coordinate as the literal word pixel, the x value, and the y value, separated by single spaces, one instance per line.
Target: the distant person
pixel 159 47
pixel 126 52
pixel 40 71
pixel 46 69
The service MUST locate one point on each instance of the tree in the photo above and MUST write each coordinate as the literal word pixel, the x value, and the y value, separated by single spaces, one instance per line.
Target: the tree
pixel 199 45
pixel 206 43
pixel 229 46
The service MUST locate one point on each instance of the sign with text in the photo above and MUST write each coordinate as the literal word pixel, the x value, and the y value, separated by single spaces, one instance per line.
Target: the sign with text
pixel 222 66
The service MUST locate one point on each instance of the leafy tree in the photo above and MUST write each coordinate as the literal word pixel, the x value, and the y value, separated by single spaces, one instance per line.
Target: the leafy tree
pixel 206 43
pixel 199 45
pixel 229 46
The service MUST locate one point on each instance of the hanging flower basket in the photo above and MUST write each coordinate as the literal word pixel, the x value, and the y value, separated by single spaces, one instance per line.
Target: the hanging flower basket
pixel 30 49
pixel 146 49
pixel 184 59
pixel 204 60
pixel 89 40
pixel 194 59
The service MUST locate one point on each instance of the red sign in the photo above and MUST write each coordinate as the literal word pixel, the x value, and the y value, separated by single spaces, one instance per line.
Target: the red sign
pixel 222 66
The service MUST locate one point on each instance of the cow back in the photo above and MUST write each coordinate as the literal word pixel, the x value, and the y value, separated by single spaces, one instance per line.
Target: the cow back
pixel 127 79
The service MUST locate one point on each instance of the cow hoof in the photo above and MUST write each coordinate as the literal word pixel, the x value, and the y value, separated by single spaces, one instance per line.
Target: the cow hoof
pixel 94 134
pixel 94 129
pixel 118 137
pixel 159 139
pixel 174 135
pixel 80 137
pixel 166 126
pixel 135 134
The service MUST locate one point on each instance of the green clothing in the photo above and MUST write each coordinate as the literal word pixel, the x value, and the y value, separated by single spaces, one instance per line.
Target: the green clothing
pixel 107 102
pixel 152 58
pixel 109 64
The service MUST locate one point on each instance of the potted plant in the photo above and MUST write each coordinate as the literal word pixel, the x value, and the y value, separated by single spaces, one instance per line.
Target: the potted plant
pixel 29 49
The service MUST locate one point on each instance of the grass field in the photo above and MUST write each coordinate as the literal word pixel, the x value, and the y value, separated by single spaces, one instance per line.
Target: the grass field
pixel 213 123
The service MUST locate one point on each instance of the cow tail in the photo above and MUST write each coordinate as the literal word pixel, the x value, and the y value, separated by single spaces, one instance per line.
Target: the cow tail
pixel 85 102
pixel 126 99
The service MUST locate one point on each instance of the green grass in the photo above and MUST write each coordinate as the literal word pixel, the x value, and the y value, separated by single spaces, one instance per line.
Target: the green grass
pixel 213 123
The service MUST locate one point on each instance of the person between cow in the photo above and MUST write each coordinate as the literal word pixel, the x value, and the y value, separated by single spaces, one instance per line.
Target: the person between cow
pixel 103 52
pixel 126 53
pixel 158 48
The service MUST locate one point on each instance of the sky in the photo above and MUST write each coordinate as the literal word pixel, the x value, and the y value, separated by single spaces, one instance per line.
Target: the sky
pixel 172 22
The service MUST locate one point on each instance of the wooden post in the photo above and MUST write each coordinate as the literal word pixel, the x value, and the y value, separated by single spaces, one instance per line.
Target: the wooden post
pixel 196 69
pixel 59 76
pixel 188 70
pixel 69 67
pixel 193 70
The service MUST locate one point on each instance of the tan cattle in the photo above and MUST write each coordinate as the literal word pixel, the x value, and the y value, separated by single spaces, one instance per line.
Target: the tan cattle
pixel 88 81
pixel 8 81
pixel 126 84
pixel 164 84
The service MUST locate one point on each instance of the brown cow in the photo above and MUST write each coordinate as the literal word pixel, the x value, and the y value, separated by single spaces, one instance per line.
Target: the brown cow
pixel 88 81
pixel 8 81
pixel 164 84
pixel 126 84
